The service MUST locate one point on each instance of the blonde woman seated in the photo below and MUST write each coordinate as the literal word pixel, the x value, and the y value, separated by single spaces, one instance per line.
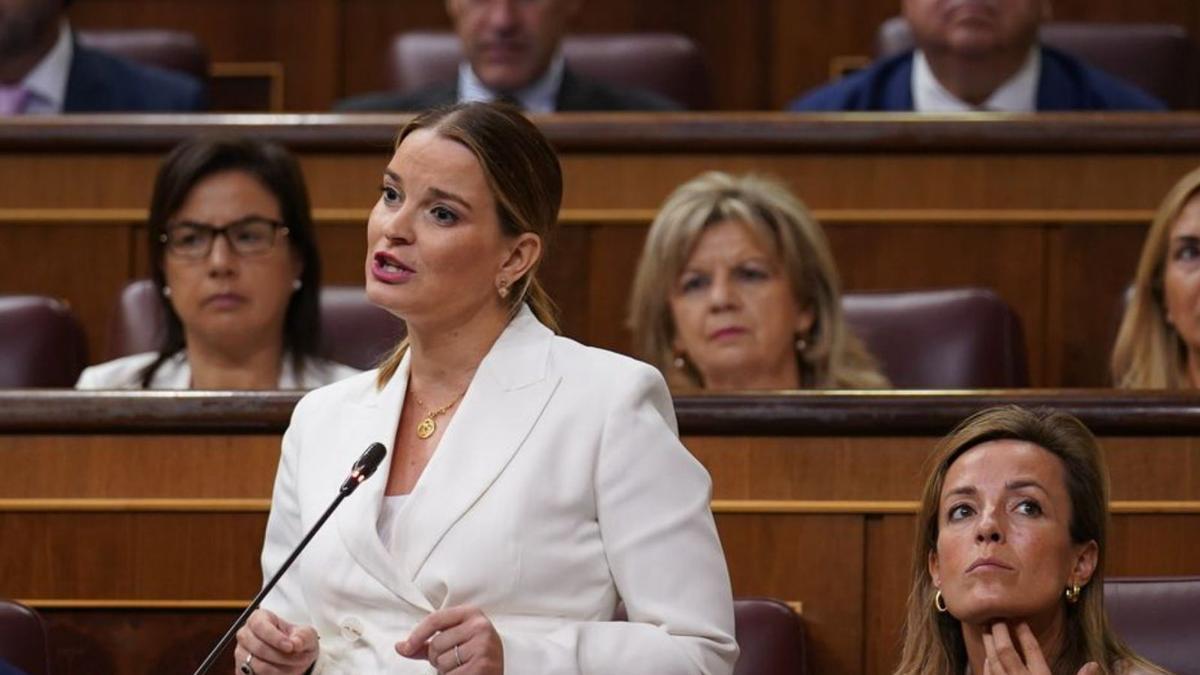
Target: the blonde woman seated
pixel 1008 563
pixel 1158 344
pixel 737 290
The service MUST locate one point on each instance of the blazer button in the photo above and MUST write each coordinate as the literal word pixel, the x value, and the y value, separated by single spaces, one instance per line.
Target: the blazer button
pixel 351 628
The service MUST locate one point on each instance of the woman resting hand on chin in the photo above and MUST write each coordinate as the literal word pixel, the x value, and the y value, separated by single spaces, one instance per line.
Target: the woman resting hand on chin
pixel 531 482
pixel 1009 555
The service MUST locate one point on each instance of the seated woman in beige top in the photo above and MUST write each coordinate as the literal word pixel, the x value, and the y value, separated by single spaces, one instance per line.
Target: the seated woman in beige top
pixel 737 290
pixel 1158 344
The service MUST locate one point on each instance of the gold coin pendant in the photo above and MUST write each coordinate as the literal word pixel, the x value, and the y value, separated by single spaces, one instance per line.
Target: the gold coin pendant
pixel 426 428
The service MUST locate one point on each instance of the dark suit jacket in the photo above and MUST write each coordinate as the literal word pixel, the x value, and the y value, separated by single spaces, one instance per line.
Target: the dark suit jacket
pixel 100 82
pixel 1065 83
pixel 577 94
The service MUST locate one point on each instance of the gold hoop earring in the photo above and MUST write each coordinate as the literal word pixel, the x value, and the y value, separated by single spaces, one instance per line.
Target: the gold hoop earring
pixel 939 603
pixel 1073 594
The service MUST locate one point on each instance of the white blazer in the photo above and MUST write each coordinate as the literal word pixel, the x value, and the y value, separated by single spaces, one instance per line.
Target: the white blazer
pixel 558 488
pixel 176 373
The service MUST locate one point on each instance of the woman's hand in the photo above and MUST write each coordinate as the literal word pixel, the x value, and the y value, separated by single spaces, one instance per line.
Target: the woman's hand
pixel 459 640
pixel 274 646
pixel 1003 659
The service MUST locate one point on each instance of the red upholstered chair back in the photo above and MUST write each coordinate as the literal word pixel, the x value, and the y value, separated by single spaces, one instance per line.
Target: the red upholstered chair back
pixel 961 338
pixel 23 638
pixel 1159 58
pixel 353 331
pixel 1159 617
pixel 769 634
pixel 42 343
pixel 169 49
pixel 666 63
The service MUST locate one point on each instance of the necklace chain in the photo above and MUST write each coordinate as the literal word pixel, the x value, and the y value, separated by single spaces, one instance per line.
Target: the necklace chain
pixel 428 425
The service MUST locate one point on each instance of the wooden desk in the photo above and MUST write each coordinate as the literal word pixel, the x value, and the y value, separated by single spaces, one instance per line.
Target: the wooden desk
pixel 139 517
pixel 1048 210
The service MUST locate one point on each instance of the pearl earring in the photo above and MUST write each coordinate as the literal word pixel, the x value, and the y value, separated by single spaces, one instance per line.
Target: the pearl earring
pixel 801 344
pixel 679 362
pixel 502 288
pixel 297 284
pixel 166 291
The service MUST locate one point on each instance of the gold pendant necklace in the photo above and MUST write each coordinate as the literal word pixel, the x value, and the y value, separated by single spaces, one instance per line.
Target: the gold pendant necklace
pixel 427 426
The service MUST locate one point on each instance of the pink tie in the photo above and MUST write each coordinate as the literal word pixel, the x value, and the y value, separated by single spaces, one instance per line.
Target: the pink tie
pixel 13 100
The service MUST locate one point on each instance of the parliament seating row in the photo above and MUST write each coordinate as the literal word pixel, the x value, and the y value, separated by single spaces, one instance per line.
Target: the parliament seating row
pixel 940 339
pixel 1160 58
pixel 1155 615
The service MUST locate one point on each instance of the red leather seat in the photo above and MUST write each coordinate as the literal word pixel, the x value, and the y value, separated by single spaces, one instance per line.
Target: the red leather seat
pixel 42 343
pixel 769 634
pixel 23 638
pixel 959 338
pixel 353 331
pixel 665 63
pixel 169 49
pixel 1159 617
pixel 1159 58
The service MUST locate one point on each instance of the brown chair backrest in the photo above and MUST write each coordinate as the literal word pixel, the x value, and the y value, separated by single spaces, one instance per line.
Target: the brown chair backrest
pixel 1159 617
pixel 353 331
pixel 23 638
pixel 170 49
pixel 665 63
pixel 1159 58
pixel 769 634
pixel 42 343
pixel 959 338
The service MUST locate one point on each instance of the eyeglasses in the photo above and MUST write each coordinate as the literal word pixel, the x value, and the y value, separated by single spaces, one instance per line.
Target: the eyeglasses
pixel 252 235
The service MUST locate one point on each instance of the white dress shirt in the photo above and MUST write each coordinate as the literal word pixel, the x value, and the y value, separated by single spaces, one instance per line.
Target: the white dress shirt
pixel 1017 94
pixel 47 82
pixel 174 373
pixel 539 97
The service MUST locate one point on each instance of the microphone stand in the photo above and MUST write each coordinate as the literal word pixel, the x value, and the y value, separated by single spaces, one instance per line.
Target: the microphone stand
pixel 363 469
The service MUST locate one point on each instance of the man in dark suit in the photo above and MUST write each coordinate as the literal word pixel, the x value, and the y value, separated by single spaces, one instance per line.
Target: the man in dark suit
pixel 977 55
pixel 43 70
pixel 512 54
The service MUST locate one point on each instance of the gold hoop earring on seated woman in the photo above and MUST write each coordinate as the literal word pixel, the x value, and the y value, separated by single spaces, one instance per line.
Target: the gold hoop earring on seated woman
pixel 1073 594
pixel 939 602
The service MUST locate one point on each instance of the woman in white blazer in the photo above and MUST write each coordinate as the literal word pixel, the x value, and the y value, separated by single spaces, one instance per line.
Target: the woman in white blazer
pixel 532 482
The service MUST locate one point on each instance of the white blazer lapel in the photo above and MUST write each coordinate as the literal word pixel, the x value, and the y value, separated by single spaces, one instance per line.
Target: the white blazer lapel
pixel 507 395
pixel 366 422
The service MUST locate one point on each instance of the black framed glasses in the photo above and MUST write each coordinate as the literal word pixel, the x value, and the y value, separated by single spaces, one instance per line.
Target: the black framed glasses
pixel 249 236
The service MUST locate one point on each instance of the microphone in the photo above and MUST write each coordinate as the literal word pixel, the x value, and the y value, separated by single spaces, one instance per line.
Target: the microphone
pixel 366 465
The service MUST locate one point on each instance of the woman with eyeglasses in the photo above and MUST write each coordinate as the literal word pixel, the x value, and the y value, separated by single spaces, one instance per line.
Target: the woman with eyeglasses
pixel 235 262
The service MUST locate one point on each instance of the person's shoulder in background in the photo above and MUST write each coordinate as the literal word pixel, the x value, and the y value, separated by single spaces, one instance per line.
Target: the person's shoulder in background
pixel 393 101
pixel 120 373
pixel 885 85
pixel 1068 83
pixel 582 94
pixel 100 82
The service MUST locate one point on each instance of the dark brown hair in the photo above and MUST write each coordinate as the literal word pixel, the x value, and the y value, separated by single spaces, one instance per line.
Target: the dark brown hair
pixel 194 160
pixel 933 641
pixel 525 178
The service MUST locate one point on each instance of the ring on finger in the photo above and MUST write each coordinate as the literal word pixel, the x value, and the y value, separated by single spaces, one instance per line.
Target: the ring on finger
pixel 245 668
pixel 457 656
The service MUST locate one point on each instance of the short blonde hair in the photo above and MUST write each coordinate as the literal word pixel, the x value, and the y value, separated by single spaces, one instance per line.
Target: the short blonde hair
pixel 834 358
pixel 1149 353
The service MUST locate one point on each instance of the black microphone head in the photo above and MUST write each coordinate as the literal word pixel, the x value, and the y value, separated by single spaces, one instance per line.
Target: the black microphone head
pixel 369 461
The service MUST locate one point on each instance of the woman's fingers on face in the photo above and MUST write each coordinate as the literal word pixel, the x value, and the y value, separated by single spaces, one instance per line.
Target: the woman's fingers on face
pixel 1006 654
pixel 1034 659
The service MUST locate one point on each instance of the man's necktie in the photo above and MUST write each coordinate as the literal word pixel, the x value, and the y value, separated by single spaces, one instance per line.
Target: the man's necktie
pixel 13 100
